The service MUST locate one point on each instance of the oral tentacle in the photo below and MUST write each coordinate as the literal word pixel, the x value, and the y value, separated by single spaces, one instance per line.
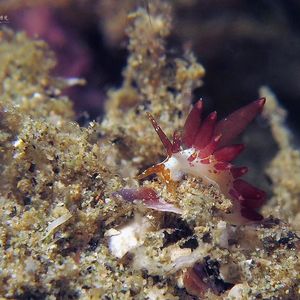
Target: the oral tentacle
pixel 164 139
pixel 152 170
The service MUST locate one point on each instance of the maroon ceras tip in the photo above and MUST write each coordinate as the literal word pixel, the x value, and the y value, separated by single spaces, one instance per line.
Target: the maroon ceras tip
pixel 192 124
pixel 206 130
pixel 228 153
pixel 236 122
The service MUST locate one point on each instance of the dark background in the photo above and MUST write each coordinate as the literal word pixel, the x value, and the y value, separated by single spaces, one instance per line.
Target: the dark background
pixel 242 44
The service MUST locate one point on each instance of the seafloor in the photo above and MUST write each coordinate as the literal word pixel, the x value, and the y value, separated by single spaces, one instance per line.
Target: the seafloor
pixel 66 233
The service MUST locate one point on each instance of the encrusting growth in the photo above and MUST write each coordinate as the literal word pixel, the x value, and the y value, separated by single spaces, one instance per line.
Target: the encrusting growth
pixel 204 150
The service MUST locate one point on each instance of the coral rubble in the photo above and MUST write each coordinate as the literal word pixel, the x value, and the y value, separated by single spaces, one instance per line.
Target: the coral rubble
pixel 284 169
pixel 153 80
pixel 76 223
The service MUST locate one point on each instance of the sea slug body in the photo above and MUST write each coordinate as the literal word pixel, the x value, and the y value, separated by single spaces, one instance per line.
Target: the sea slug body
pixel 204 150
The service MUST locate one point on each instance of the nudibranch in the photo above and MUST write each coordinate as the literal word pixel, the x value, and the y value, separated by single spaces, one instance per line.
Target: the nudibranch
pixel 205 150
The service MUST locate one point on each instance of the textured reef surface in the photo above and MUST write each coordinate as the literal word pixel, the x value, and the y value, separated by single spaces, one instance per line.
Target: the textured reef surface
pixel 80 219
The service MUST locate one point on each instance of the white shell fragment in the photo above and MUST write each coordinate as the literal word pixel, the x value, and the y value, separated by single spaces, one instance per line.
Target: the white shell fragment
pixel 57 222
pixel 130 236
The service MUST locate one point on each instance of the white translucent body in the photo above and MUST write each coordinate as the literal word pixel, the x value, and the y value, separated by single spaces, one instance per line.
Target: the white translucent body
pixel 179 165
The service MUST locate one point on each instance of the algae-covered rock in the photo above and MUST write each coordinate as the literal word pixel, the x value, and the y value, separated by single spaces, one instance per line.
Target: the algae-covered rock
pixel 284 169
pixel 54 180
pixel 153 80
pixel 75 221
